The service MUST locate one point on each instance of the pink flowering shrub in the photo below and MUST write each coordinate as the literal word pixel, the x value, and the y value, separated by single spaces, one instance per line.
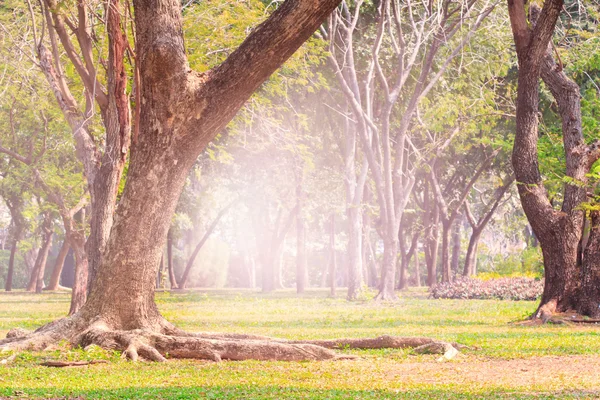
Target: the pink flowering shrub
pixel 499 289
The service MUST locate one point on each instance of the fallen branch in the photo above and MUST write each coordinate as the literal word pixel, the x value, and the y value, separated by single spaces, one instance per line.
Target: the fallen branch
pixel 62 364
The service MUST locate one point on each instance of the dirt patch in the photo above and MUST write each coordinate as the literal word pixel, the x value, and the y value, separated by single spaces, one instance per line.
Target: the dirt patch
pixel 547 372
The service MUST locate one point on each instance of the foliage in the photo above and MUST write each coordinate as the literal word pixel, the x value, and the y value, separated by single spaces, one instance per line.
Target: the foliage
pixel 501 289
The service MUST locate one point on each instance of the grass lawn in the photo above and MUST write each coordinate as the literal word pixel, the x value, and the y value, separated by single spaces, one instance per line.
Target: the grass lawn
pixel 512 361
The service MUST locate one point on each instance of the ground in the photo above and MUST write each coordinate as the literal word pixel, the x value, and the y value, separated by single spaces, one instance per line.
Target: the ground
pixel 512 361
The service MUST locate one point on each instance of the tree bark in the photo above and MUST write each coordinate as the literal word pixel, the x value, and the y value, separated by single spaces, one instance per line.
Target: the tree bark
pixel 58 265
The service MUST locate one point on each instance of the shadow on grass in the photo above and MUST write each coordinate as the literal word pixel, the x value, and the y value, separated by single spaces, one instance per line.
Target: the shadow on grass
pixel 274 392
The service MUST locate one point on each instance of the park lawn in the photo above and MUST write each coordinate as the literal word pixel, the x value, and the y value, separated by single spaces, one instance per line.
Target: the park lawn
pixel 510 360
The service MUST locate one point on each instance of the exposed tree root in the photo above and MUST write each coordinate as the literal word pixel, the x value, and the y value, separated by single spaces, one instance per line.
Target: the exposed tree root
pixel 164 342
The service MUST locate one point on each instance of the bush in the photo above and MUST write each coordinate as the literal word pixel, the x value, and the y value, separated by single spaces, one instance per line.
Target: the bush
pixel 501 289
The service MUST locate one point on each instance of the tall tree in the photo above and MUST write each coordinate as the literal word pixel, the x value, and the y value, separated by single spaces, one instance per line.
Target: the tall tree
pixel 569 279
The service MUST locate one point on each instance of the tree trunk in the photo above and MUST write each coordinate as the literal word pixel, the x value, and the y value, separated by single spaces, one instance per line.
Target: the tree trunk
pixel 470 267
pixel 58 266
pixel 431 223
pixel 42 256
pixel 209 231
pixel 354 270
pixel 590 295
pixel 39 286
pixel 170 266
pixel 417 270
pixel 17 232
pixel 79 290
pixel 388 270
pixel 456 246
pixel 301 267
pixel 332 258
pixel 161 269
pixel 446 272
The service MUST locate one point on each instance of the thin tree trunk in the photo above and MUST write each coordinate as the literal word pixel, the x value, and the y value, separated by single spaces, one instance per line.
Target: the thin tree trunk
pixel 161 269
pixel 388 270
pixel 209 231
pixel 332 257
pixel 470 267
pixel 170 266
pixel 18 229
pixel 38 283
pixel 79 291
pixel 354 270
pixel 417 270
pixel 456 246
pixel 446 272
pixel 301 266
pixel 58 266
pixel 39 286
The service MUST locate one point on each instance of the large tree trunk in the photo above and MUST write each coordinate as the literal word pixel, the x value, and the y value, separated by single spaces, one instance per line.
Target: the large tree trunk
pixel 58 266
pixel 590 294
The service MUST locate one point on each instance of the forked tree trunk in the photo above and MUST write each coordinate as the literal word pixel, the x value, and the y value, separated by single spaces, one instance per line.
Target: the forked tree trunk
pixel 559 232
pixel 42 256
pixel 58 265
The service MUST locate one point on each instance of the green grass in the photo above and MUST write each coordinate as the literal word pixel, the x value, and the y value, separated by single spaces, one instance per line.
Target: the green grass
pixel 512 361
